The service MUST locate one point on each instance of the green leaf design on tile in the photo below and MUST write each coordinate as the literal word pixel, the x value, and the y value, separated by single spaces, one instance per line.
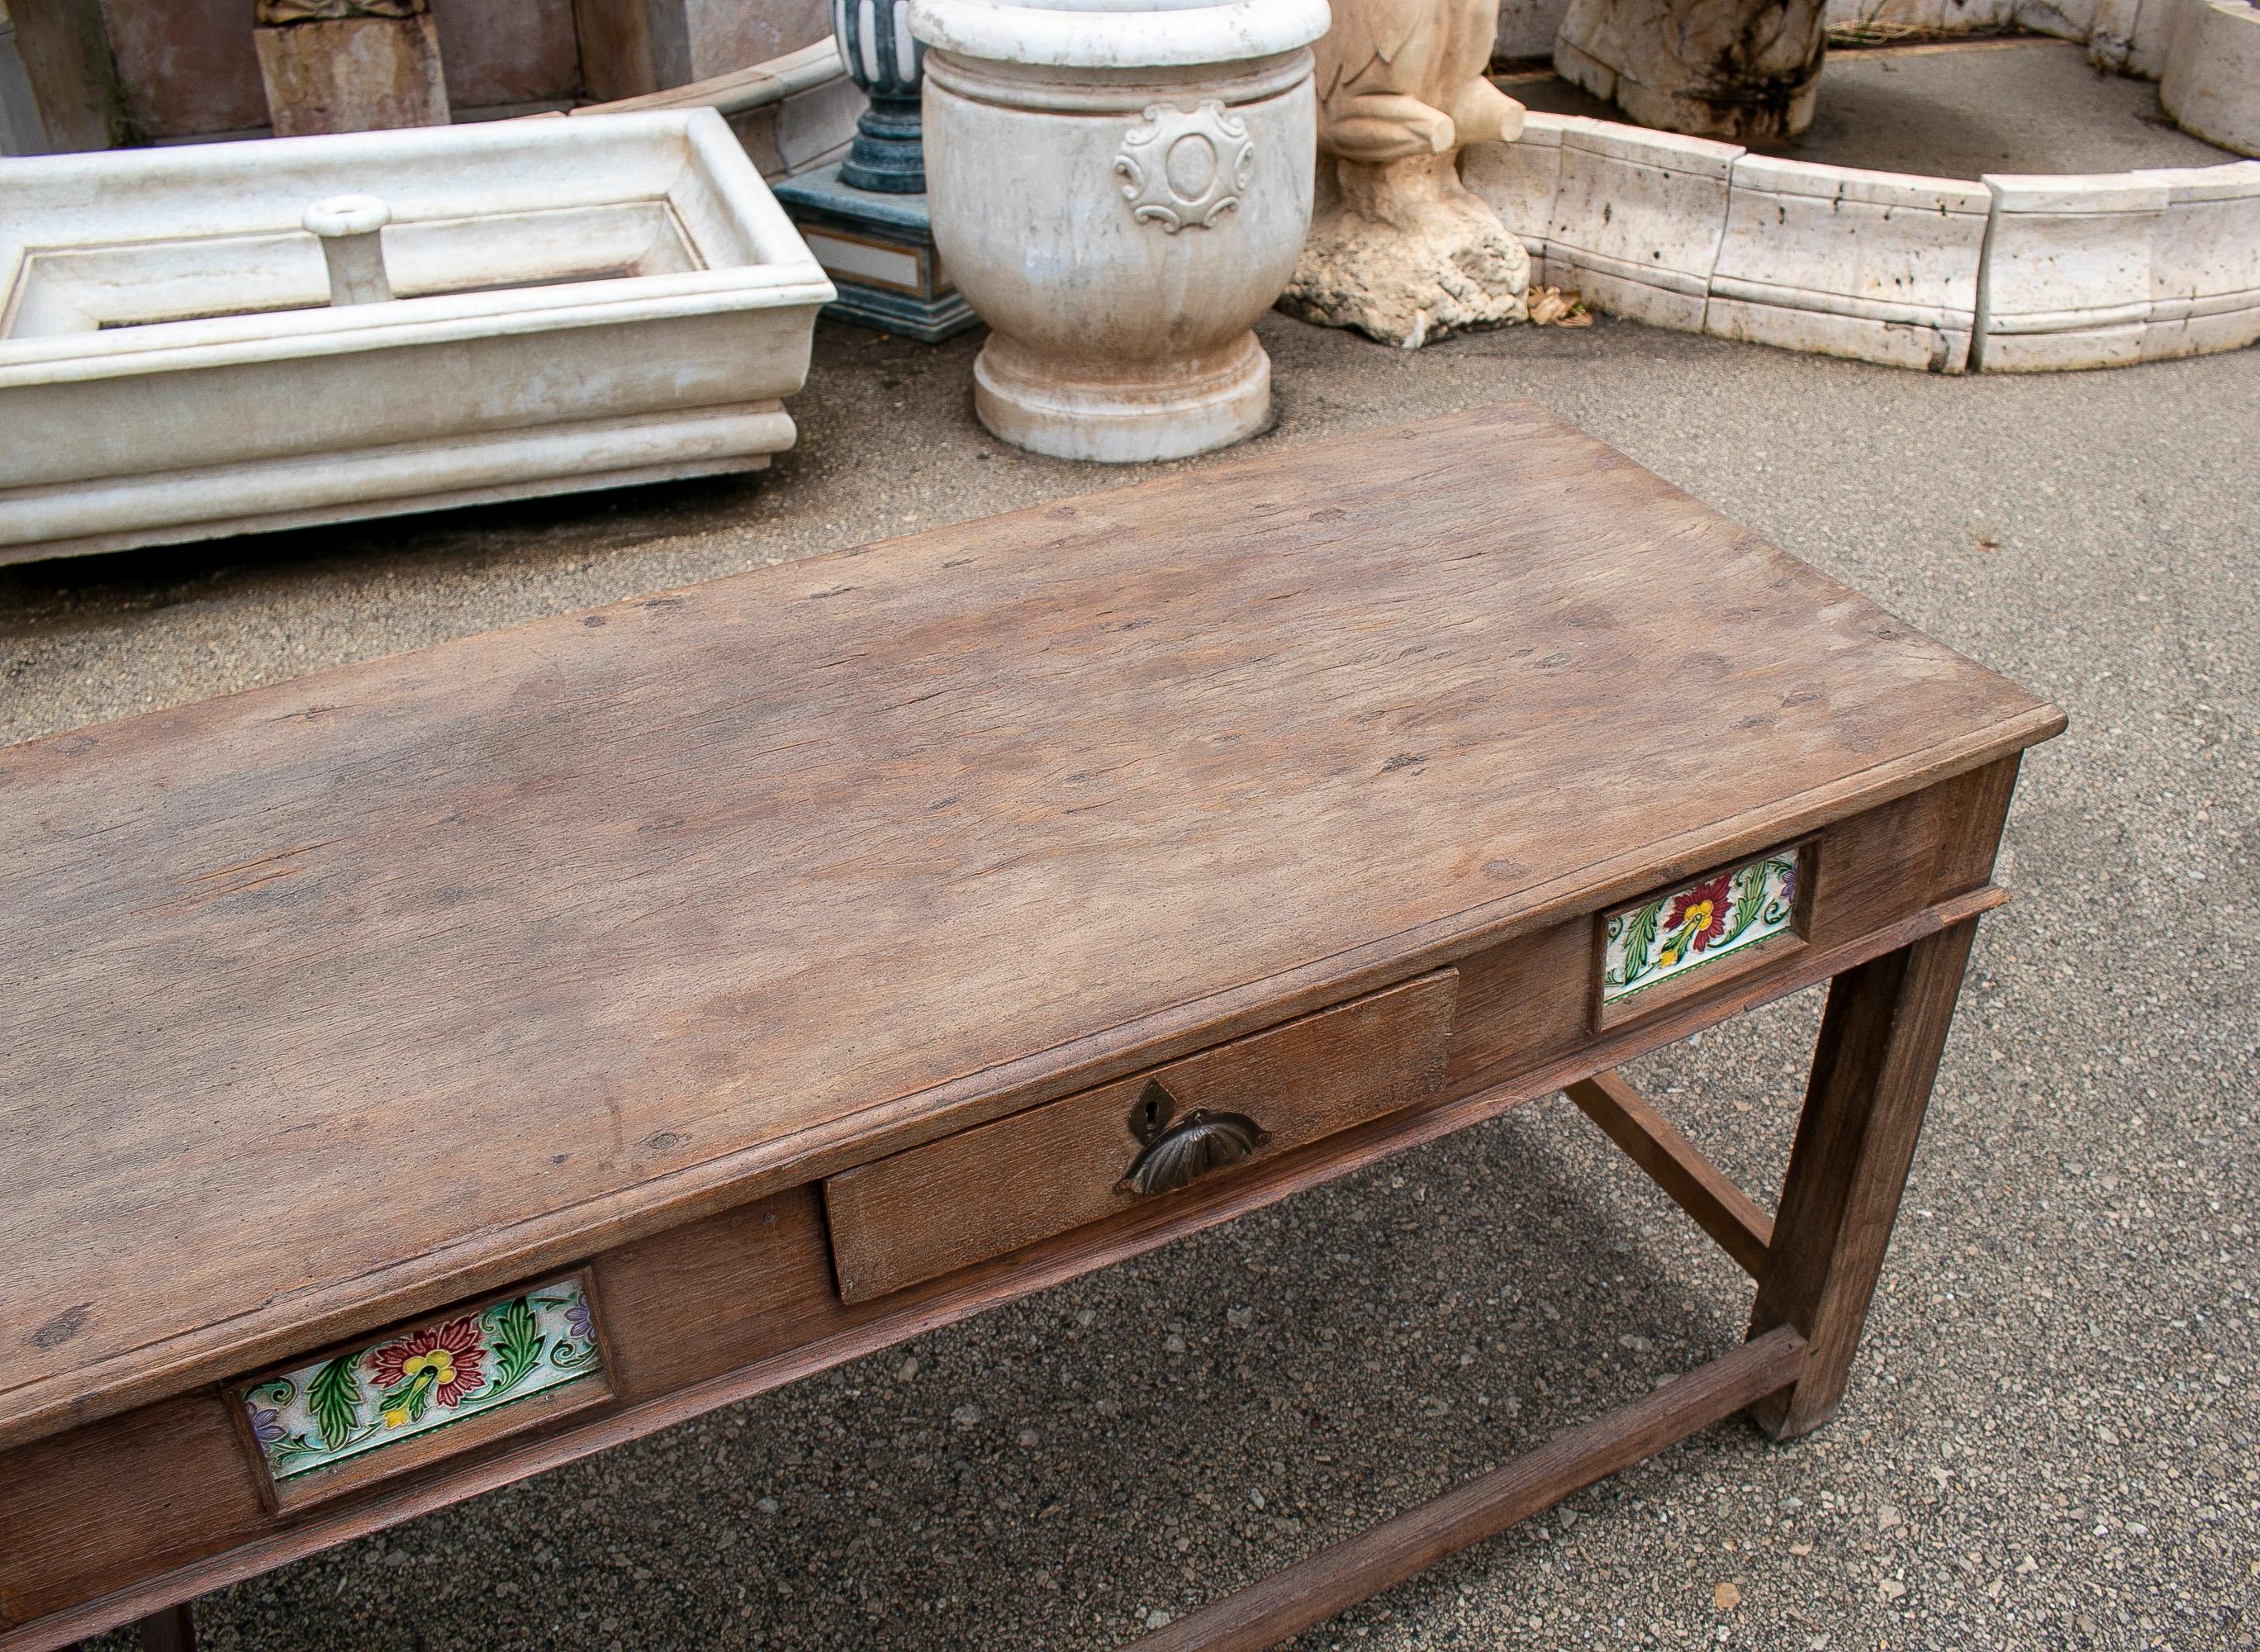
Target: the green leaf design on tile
pixel 1639 941
pixel 334 1399
pixel 1749 899
pixel 517 1343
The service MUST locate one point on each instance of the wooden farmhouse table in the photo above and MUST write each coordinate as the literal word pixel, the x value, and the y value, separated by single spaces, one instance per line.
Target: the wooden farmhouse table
pixel 425 1073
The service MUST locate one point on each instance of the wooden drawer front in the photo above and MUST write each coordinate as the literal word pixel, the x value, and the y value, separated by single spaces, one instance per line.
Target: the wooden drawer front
pixel 1056 1167
pixel 369 1409
pixel 1653 951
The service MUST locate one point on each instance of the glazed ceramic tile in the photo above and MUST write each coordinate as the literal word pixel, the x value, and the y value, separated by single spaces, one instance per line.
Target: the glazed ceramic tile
pixel 1684 928
pixel 461 1365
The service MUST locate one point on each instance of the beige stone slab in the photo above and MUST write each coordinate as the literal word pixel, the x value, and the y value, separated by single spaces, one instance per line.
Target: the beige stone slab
pixel 1519 180
pixel 1875 247
pixel 2069 255
pixel 353 74
pixel 1641 214
pixel 2056 352
pixel 2211 80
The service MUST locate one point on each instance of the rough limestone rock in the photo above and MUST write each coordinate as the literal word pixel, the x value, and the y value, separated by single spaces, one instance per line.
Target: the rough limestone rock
pixel 1732 69
pixel 1400 248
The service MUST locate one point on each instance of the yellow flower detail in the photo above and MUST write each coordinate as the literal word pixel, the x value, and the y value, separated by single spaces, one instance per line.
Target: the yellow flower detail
pixel 439 1362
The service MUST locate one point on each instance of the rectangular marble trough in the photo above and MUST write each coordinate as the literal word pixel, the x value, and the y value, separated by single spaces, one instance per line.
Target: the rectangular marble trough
pixel 576 304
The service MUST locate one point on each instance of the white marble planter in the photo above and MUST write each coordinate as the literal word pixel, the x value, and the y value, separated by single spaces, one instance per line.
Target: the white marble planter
pixel 1119 190
pixel 576 304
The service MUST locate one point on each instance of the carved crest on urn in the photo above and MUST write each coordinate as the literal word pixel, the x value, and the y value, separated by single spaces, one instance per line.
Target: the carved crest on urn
pixel 1183 169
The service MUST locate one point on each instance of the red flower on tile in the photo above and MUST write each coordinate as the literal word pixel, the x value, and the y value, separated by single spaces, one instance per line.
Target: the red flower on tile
pixel 440 1363
pixel 1698 915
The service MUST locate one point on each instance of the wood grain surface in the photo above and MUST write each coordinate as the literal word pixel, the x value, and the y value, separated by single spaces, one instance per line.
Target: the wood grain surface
pixel 341 999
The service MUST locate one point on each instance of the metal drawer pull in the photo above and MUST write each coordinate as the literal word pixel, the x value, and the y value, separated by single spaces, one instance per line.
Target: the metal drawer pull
pixel 1175 1154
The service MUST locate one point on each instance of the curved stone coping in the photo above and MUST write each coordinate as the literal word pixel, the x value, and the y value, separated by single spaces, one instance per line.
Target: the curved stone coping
pixel 2009 273
pixel 793 113
pixel 2211 81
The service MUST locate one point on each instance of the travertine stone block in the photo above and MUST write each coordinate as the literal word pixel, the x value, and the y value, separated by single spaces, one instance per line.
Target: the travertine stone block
pixel 1519 180
pixel 1873 265
pixel 1640 215
pixel 2211 80
pixel 1820 332
pixel 2067 279
pixel 2205 261
pixel 352 73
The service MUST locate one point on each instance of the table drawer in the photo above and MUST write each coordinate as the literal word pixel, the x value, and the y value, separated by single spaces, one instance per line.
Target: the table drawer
pixel 1056 1167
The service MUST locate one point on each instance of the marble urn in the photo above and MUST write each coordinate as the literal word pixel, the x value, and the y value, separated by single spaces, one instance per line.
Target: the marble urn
pixel 1121 188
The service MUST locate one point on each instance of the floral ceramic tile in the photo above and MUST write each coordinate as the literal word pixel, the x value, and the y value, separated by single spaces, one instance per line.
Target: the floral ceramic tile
pixel 467 1364
pixel 1685 928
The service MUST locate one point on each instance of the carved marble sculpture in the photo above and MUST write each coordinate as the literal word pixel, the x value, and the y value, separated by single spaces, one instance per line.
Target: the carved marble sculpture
pixel 1400 248
pixel 1736 69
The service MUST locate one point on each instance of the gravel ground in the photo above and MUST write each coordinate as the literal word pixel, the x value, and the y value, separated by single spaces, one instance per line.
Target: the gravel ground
pixel 2050 1438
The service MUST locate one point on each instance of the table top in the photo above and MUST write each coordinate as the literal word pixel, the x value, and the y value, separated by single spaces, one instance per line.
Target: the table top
pixel 335 999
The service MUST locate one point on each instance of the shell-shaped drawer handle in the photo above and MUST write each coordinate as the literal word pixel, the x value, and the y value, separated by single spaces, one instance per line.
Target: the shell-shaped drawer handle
pixel 1178 1153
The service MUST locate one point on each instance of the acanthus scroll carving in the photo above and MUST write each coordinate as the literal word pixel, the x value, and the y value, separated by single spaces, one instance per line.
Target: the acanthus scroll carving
pixel 1185 169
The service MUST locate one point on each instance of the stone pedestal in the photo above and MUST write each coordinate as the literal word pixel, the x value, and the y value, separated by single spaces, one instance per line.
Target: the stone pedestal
pixel 1734 69
pixel 888 156
pixel 879 251
pixel 350 66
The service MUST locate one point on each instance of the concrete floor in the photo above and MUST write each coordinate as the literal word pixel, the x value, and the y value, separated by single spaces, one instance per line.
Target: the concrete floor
pixel 2050 1437
pixel 1957 110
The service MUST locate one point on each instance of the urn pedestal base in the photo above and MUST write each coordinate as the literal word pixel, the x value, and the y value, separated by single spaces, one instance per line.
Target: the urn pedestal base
pixel 879 251
pixel 1122 414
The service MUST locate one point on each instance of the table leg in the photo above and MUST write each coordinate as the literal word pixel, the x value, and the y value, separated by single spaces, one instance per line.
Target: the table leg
pixel 1880 1041
pixel 172 1630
